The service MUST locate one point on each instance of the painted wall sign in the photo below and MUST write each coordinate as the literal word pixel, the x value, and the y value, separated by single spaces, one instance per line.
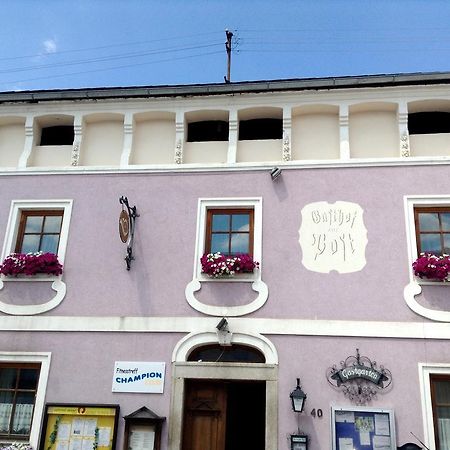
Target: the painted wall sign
pixel 333 237
pixel 124 226
pixel 132 376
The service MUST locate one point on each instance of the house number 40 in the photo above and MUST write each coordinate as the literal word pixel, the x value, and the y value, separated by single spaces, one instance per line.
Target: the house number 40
pixel 319 413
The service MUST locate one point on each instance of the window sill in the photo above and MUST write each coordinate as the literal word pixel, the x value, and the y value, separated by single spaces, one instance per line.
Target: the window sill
pixel 425 282
pixel 37 277
pixel 239 278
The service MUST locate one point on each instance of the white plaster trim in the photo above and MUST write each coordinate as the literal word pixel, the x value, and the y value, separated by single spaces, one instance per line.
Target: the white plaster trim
pixel 425 370
pixel 226 167
pixel 27 310
pixel 195 340
pixel 231 311
pixel 281 327
pixel 258 285
pixel 414 288
pixel 33 357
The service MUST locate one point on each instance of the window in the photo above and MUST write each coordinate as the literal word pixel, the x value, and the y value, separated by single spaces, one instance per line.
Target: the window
pixel 229 231
pixel 432 229
pixel 429 122
pixel 208 130
pixel 38 225
pixel 18 390
pixel 254 129
pixel 440 399
pixel 229 226
pixel 39 230
pixel 57 135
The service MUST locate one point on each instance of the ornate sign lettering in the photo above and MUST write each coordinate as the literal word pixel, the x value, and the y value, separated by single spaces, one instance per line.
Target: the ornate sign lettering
pixel 124 226
pixel 359 378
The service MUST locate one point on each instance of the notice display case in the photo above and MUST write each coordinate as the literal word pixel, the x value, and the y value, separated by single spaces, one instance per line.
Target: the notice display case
pixel 79 427
pixel 361 428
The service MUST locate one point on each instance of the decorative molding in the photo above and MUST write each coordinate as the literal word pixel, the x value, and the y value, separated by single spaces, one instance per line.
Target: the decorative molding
pixel 287 156
pixel 404 146
pixel 29 310
pixel 179 152
pixel 228 311
pixel 198 339
pixel 75 156
pixel 280 327
pixel 414 287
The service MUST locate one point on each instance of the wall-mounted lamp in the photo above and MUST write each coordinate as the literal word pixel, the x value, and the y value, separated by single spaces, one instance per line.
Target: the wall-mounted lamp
pixel 275 173
pixel 298 398
pixel 222 325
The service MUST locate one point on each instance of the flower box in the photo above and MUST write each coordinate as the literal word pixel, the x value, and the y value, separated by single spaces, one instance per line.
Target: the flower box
pixel 31 264
pixel 432 267
pixel 216 265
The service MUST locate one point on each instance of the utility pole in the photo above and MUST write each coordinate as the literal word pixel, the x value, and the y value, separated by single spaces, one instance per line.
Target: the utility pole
pixel 228 48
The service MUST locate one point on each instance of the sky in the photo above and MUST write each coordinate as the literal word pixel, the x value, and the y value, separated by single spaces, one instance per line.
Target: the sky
pixel 60 44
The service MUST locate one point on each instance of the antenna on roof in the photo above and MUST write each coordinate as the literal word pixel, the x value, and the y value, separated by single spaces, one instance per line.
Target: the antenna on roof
pixel 229 34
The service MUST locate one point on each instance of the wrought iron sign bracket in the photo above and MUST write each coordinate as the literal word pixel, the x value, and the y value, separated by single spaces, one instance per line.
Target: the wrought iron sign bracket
pixel 359 378
pixel 126 228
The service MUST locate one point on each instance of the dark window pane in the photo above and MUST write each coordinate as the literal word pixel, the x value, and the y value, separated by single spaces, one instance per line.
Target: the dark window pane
pixel 429 222
pixel 429 122
pixel 240 222
pixel 235 353
pixel 52 224
pixel 6 404
pixel 207 130
pixel 57 135
pixel 219 243
pixel 49 243
pixel 220 222
pixel 239 243
pixel 34 224
pixel 28 378
pixel 30 243
pixel 431 243
pixel 8 378
pixel 260 129
pixel 446 243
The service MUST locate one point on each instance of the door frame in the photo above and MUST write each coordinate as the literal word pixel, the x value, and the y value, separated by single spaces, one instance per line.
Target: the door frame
pixel 182 370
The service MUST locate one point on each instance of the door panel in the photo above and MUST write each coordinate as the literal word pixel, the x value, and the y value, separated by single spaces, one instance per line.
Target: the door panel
pixel 205 416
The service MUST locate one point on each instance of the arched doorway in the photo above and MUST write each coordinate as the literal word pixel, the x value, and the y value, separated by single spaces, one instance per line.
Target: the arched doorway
pixel 224 398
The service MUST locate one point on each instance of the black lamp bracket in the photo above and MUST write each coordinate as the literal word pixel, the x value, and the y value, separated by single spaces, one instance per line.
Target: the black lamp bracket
pixel 132 214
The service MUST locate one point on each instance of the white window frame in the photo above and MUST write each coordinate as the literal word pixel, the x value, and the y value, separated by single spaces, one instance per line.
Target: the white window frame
pixel 17 206
pixel 410 203
pixel 425 371
pixel 33 357
pixel 204 204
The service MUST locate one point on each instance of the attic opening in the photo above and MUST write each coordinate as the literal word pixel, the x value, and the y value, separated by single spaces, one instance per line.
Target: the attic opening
pixel 57 135
pixel 259 129
pixel 429 122
pixel 208 130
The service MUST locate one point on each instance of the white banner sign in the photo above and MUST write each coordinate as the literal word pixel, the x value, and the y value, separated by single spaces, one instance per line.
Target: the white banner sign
pixel 132 376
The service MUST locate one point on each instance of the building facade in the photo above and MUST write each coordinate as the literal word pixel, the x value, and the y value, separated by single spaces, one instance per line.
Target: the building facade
pixel 333 186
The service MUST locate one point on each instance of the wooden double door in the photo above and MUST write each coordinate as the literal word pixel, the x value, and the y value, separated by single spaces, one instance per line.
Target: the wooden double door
pixel 224 415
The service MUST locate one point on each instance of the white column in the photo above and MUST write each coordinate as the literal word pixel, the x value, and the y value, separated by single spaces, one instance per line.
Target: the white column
pixel 286 154
pixel 128 129
pixel 179 137
pixel 232 136
pixel 344 135
pixel 29 143
pixel 77 139
pixel 402 116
